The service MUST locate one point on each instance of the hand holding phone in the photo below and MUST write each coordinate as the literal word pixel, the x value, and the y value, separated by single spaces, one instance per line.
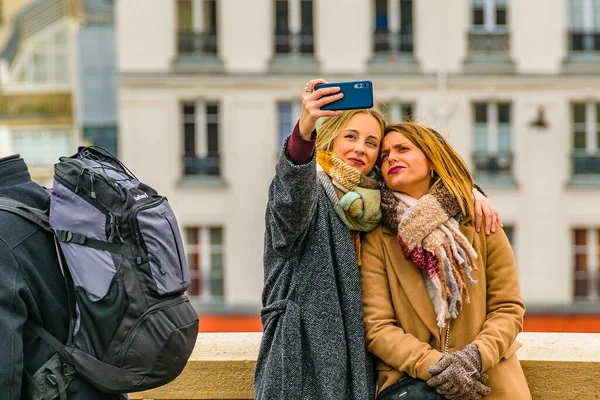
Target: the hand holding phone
pixel 357 94
pixel 312 101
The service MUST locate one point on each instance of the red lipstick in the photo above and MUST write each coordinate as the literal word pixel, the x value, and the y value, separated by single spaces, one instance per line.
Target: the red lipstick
pixel 395 169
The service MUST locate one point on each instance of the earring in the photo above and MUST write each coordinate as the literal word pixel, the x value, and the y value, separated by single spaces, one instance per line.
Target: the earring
pixel 432 174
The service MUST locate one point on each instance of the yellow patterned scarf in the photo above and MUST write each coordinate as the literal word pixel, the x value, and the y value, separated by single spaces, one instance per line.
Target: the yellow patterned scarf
pixel 354 196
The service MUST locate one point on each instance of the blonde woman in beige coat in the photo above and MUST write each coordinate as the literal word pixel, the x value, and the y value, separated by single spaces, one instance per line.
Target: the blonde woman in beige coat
pixel 441 302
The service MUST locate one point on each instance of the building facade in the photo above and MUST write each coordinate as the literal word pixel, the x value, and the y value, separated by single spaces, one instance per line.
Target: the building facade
pixel 209 89
pixel 57 79
pixel 36 83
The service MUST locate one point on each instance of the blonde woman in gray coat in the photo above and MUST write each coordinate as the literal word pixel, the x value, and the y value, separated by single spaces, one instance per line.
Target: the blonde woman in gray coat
pixel 313 343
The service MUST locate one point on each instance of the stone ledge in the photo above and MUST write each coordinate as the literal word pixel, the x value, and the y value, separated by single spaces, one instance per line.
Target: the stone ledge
pixel 563 366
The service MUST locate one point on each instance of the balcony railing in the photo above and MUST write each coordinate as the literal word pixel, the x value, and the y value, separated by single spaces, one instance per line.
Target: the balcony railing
pixel 19 109
pixel 584 163
pixel 387 42
pixel 584 41
pixel 193 165
pixel 189 42
pixel 489 44
pixel 493 163
pixel 294 43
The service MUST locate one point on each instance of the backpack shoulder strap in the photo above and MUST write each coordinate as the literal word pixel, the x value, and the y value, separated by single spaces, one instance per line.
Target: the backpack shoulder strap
pixel 38 217
pixel 41 219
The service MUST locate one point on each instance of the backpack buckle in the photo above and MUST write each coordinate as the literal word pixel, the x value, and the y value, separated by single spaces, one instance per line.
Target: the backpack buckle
pixel 63 236
pixel 68 369
pixel 69 237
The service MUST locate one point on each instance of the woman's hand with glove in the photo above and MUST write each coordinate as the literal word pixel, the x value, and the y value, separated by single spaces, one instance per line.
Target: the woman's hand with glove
pixel 458 376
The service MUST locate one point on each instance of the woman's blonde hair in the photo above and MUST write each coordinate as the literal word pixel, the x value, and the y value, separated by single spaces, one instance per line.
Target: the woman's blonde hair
pixel 446 162
pixel 333 126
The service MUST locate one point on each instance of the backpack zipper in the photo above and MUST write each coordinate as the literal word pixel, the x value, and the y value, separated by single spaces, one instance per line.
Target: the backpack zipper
pixel 83 167
pixel 75 189
pixel 132 334
pixel 138 234
pixel 113 219
pixel 177 247
pixel 114 228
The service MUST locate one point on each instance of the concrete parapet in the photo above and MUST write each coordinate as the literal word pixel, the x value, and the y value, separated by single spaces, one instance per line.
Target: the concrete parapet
pixel 563 366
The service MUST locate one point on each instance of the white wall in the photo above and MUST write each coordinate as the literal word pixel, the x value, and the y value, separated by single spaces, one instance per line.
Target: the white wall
pixel 246 34
pixel 146 37
pixel 343 40
pixel 538 35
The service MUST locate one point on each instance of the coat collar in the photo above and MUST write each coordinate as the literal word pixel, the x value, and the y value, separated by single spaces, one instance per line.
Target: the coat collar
pixel 13 171
pixel 411 279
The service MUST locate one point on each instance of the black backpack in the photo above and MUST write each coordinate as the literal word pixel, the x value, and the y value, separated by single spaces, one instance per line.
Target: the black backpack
pixel 132 326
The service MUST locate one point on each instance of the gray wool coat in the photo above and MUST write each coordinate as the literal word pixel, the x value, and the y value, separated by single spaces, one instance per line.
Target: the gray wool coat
pixel 313 343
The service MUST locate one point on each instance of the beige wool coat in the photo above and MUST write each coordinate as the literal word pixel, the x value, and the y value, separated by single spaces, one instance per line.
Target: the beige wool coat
pixel 400 322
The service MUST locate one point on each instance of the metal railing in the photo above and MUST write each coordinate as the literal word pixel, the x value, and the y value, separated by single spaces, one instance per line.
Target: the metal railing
pixel 26 107
pixel 585 163
pixel 493 163
pixel 193 165
pixel 294 43
pixel 387 42
pixel 189 42
pixel 580 41
pixel 489 44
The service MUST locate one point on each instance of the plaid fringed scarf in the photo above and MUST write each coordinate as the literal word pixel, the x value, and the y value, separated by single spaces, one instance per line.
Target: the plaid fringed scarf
pixel 354 196
pixel 428 233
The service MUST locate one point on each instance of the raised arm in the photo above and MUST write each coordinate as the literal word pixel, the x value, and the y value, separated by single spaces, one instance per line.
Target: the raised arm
pixel 292 201
pixel 293 192
pixel 505 308
pixel 384 337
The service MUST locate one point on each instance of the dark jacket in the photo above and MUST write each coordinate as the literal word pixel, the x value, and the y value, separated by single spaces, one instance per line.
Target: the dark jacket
pixel 31 288
pixel 313 344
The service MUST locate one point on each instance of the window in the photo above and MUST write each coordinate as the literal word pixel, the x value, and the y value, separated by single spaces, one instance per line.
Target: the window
pixel 586 138
pixel 584 30
pixel 488 35
pixel 393 26
pixel 197 26
pixel 397 112
pixel 204 250
pixel 294 27
pixel 586 242
pixel 41 146
pixel 288 114
pixel 201 138
pixel 492 145
pixel 102 136
pixel 489 15
pixel 47 61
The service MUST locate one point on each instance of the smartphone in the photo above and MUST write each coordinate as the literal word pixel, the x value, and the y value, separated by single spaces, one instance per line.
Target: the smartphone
pixel 357 94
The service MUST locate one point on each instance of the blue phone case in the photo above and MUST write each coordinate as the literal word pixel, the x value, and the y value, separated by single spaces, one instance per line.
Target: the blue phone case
pixel 357 94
